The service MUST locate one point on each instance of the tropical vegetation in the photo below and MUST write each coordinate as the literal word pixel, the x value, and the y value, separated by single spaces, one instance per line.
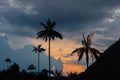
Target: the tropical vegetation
pixel 87 50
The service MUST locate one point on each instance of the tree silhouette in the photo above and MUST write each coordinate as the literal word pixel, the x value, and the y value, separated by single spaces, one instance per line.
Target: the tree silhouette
pixel 7 60
pixel 31 67
pixel 57 74
pixel 14 68
pixel 38 50
pixel 49 34
pixel 12 73
pixel 87 49
pixel 72 76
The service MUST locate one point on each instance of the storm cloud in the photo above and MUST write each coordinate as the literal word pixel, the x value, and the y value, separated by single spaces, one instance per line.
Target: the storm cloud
pixel 71 16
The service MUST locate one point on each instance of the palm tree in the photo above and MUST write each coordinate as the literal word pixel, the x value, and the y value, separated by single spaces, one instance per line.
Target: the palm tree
pixel 31 67
pixel 7 60
pixel 49 34
pixel 87 50
pixel 38 50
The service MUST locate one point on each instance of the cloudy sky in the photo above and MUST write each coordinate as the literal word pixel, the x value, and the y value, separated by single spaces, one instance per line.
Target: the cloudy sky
pixel 20 21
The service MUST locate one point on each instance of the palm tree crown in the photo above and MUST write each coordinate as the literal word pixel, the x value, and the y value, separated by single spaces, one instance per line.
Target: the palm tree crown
pixel 8 60
pixel 49 33
pixel 87 49
pixel 38 49
pixel 31 67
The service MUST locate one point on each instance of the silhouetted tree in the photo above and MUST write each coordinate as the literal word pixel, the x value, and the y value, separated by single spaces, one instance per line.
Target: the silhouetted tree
pixel 57 74
pixel 72 76
pixel 38 50
pixel 87 49
pixel 14 68
pixel 44 74
pixel 13 72
pixel 7 60
pixel 31 67
pixel 49 34
pixel 23 75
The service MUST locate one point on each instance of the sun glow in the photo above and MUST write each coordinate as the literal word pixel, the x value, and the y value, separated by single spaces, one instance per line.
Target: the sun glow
pixel 73 68
pixel 62 49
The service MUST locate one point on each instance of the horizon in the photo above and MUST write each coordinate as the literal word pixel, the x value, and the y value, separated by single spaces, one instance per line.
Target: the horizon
pixel 20 21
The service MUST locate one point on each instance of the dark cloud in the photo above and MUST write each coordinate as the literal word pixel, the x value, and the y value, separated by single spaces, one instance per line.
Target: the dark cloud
pixel 71 16
pixel 23 17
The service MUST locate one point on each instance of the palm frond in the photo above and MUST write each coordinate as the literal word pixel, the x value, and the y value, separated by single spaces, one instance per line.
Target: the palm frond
pixel 80 54
pixel 84 40
pixel 44 25
pixel 34 49
pixel 43 34
pixel 76 51
pixel 92 56
pixel 96 55
pixel 51 36
pixel 49 22
pixel 57 34
pixel 90 38
pixel 53 24
pixel 40 34
pixel 99 53
pixel 39 46
pixel 42 49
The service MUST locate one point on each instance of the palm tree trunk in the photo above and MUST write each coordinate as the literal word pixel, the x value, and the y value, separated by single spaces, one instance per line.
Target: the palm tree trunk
pixel 87 56
pixel 7 65
pixel 38 62
pixel 49 57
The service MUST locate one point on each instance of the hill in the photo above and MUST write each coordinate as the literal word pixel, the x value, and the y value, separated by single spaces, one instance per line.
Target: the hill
pixel 107 67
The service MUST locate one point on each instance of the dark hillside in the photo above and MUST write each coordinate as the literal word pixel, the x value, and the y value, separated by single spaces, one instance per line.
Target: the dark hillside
pixel 107 67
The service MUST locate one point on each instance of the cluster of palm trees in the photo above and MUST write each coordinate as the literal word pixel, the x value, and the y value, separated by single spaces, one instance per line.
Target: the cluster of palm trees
pixel 49 34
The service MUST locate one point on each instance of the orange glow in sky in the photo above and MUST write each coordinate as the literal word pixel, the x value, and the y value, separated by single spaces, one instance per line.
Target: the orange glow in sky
pixel 62 49
pixel 73 68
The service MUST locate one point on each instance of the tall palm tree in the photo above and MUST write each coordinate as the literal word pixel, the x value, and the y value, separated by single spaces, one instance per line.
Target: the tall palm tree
pixel 7 60
pixel 49 34
pixel 87 50
pixel 38 50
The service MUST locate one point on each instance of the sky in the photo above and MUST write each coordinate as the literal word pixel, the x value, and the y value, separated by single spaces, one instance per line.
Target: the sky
pixel 20 21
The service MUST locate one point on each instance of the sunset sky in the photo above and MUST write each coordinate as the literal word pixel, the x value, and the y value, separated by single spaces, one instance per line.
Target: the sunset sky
pixel 20 21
